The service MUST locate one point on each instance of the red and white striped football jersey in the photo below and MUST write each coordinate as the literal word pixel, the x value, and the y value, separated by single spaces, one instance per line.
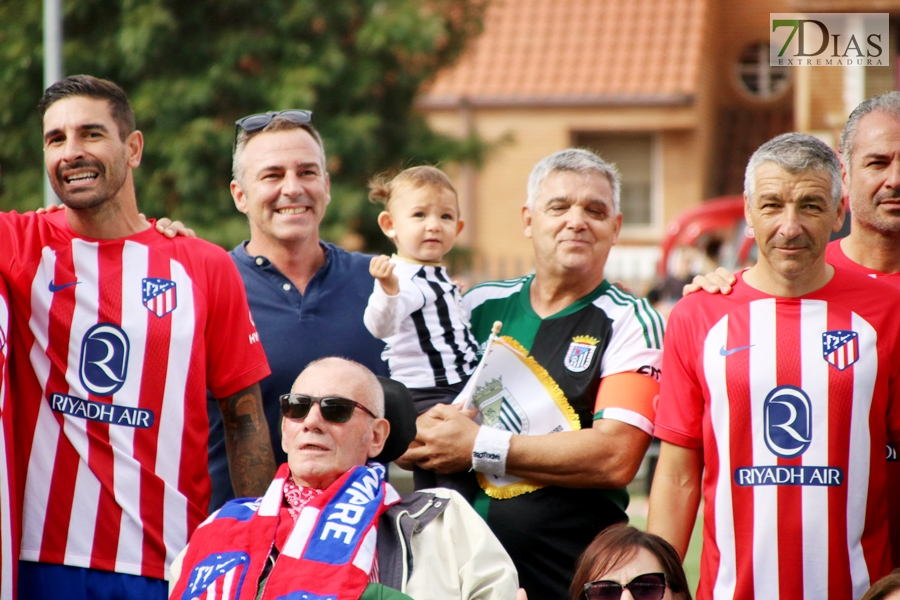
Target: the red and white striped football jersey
pixel 111 380
pixel 9 521
pixel 792 401
pixel 834 255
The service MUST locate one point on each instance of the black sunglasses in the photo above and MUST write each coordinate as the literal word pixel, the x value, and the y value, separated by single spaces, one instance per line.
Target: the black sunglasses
pixel 333 408
pixel 649 586
pixel 258 121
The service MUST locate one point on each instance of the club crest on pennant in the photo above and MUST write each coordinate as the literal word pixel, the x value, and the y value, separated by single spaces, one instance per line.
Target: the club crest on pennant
pixel 581 353
pixel 158 295
pixel 840 348
pixel 499 408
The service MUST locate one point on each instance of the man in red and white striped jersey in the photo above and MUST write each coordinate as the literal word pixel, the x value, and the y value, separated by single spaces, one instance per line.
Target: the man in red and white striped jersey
pixel 9 514
pixel 784 392
pixel 117 333
pixel 870 149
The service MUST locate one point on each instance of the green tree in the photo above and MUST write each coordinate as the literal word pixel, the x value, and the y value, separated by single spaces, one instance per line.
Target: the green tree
pixel 192 68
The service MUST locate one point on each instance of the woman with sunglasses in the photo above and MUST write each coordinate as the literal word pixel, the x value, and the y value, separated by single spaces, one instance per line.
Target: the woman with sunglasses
pixel 624 562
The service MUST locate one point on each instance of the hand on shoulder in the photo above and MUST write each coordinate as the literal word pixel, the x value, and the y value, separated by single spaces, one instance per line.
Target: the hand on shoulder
pixel 170 228
pixel 719 281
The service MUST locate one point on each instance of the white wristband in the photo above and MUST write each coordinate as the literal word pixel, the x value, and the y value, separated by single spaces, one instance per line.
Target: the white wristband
pixel 491 448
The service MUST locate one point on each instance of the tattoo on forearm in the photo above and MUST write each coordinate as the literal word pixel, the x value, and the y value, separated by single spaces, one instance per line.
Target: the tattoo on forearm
pixel 239 412
pixel 247 442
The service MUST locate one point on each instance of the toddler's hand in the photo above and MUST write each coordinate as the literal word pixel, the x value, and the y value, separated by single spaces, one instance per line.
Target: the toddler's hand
pixel 382 269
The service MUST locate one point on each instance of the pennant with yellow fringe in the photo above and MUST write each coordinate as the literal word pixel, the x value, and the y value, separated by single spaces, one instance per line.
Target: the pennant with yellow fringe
pixel 514 393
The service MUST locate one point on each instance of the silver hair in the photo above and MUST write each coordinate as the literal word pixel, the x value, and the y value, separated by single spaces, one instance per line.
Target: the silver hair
pixel 795 153
pixel 276 124
pixel 374 391
pixel 888 103
pixel 579 161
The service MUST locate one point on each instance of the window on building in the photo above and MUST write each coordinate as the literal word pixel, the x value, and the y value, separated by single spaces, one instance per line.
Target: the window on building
pixel 739 131
pixel 633 155
pixel 756 76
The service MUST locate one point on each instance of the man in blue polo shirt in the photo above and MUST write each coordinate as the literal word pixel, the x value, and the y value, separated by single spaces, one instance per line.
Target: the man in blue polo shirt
pixel 307 297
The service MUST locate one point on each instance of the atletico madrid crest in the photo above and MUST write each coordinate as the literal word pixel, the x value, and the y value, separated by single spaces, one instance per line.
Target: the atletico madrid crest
pixel 580 353
pixel 840 348
pixel 218 576
pixel 158 295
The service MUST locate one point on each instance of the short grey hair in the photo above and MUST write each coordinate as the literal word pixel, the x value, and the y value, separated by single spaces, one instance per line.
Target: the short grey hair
pixel 888 103
pixel 374 391
pixel 276 124
pixel 795 153
pixel 579 161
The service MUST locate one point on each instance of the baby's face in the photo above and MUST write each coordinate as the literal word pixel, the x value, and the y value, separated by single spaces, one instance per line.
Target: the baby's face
pixel 425 222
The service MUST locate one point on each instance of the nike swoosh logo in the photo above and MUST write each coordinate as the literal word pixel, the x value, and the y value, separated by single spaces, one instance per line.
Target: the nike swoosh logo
pixel 724 352
pixel 55 288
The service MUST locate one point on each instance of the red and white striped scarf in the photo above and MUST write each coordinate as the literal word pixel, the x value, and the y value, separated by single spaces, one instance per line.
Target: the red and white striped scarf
pixel 330 550
pixel 297 497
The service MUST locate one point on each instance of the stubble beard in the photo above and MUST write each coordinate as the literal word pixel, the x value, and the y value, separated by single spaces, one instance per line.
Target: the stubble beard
pixel 110 181
pixel 871 219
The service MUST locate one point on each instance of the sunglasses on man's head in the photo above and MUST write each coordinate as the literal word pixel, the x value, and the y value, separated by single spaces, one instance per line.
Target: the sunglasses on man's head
pixel 333 408
pixel 649 586
pixel 258 121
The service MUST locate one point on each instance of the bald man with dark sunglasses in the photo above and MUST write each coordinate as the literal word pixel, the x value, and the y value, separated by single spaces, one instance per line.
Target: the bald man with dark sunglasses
pixel 330 522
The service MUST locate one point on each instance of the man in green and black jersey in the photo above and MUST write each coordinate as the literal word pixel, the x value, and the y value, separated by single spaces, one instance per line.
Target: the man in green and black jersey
pixel 595 351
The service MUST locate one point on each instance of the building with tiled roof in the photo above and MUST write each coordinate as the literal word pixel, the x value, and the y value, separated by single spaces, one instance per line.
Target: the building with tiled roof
pixel 678 93
pixel 579 53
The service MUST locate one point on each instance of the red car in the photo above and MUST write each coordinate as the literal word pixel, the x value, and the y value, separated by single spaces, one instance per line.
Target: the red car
pixel 712 234
pixel 717 226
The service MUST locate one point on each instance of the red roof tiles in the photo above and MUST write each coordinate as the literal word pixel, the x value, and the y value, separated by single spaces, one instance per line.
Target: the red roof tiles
pixel 575 52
